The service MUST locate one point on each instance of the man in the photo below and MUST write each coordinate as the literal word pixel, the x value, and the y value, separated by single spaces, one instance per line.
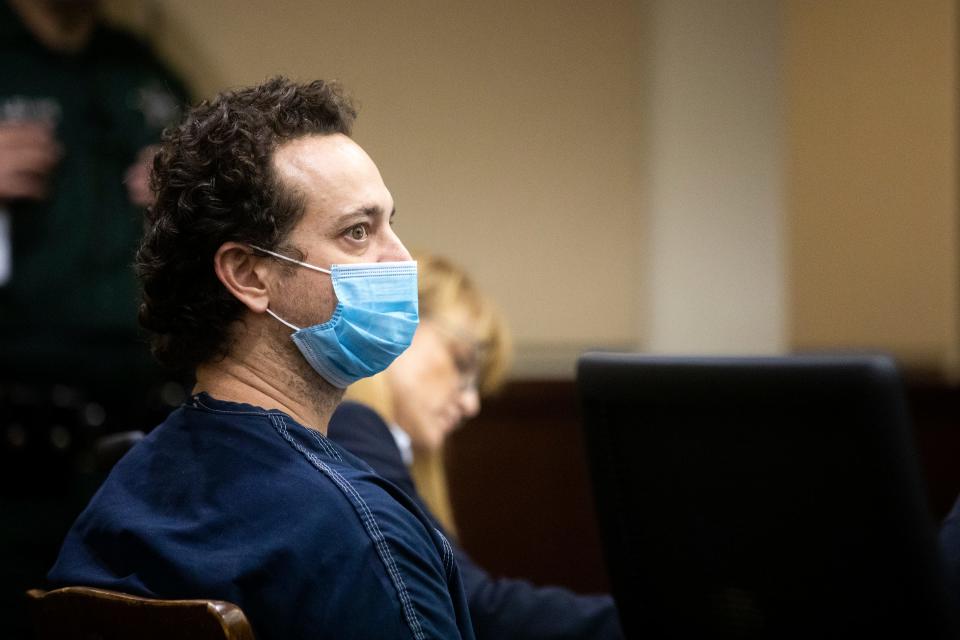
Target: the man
pixel 271 267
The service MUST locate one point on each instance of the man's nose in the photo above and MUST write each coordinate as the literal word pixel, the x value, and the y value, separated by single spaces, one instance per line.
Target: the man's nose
pixel 394 251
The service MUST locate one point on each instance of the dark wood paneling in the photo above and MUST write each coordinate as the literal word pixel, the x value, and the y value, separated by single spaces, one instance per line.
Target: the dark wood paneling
pixel 520 488
pixel 518 480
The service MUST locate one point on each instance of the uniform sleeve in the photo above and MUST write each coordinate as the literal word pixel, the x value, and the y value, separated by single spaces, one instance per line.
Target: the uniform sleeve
pixel 138 88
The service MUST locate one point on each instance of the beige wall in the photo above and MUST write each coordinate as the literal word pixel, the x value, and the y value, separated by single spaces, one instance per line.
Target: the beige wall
pixel 872 177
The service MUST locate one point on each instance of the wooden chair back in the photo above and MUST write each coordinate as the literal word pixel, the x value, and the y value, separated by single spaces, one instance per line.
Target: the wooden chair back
pixel 85 613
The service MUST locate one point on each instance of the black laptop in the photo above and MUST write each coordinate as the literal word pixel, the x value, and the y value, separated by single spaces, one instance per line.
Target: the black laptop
pixel 761 498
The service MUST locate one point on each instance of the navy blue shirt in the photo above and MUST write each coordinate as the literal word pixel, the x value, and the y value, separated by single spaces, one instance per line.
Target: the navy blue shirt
pixel 233 502
pixel 501 608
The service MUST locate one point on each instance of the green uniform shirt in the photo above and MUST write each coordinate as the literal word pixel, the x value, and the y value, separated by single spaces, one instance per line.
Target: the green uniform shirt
pixel 70 304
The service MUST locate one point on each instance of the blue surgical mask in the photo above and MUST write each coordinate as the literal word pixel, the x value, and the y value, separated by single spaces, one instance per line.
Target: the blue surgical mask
pixel 374 322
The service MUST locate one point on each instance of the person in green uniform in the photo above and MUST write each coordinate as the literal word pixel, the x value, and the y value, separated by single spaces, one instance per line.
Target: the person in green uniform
pixel 81 104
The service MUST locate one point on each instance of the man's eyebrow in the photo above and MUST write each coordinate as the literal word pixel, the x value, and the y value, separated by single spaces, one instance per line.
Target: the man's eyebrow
pixel 369 211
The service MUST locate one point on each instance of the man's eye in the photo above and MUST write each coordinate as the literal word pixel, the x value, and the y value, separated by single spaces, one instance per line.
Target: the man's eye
pixel 358 232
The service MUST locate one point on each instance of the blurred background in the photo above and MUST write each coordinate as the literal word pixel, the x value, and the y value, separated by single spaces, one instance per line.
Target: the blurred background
pixel 699 176
pixel 673 176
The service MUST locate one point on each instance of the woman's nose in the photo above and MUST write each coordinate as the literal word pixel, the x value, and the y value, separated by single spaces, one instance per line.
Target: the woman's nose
pixel 470 401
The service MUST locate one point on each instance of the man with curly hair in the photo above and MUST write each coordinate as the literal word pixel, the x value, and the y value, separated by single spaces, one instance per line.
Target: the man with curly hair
pixel 270 266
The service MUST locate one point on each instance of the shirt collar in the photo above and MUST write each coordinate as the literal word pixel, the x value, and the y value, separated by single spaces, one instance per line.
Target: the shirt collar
pixel 403 443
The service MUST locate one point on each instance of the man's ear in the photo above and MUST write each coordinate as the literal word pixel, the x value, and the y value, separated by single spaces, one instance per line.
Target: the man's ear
pixel 244 274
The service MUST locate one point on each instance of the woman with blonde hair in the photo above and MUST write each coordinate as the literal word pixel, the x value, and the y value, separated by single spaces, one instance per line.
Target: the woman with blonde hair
pixel 398 421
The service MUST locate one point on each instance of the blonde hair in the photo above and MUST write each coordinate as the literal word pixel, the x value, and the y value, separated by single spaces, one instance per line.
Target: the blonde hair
pixel 445 290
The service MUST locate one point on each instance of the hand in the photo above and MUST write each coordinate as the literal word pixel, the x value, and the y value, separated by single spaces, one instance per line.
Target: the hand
pixel 137 177
pixel 28 153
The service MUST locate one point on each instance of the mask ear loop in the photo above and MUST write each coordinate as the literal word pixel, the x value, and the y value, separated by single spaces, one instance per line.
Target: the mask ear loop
pixel 288 259
pixel 297 262
pixel 292 326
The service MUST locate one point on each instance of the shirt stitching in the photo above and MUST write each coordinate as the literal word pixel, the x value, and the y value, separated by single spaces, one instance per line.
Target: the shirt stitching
pixel 199 404
pixel 326 446
pixel 448 562
pixel 369 523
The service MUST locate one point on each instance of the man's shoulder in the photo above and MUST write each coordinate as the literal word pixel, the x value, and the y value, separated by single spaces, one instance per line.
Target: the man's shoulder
pixel 111 40
pixel 266 485
pixel 267 460
pixel 127 63
pixel 229 441
pixel 254 508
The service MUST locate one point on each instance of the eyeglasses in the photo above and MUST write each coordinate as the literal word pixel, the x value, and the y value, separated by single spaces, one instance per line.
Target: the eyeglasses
pixel 466 352
pixel 469 372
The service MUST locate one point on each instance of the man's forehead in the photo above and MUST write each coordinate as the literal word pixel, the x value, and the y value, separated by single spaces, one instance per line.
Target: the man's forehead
pixel 320 156
pixel 334 174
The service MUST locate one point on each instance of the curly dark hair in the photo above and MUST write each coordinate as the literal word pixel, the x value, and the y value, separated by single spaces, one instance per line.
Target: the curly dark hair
pixel 214 182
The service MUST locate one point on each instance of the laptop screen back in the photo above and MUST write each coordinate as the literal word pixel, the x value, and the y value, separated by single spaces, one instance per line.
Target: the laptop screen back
pixel 760 497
